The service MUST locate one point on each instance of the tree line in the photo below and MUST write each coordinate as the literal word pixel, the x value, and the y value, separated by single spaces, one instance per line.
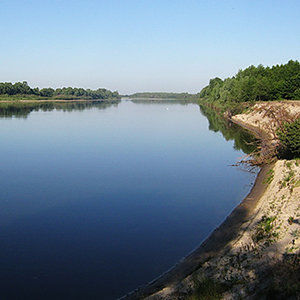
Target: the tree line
pixel 22 88
pixel 163 95
pixel 256 84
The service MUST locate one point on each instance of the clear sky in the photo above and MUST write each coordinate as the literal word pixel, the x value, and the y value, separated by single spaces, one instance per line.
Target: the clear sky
pixel 143 45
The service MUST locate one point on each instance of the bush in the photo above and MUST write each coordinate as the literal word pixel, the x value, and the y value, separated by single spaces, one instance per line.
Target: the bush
pixel 207 289
pixel 289 137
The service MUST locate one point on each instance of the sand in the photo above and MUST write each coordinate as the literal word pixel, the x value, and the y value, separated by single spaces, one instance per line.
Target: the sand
pixel 243 250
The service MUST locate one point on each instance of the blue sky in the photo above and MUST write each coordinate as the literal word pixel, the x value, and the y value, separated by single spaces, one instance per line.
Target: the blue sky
pixel 143 45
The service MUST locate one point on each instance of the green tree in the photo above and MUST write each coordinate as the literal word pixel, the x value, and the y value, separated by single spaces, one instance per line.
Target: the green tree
pixel 256 84
pixel 290 86
pixel 47 92
pixel 7 88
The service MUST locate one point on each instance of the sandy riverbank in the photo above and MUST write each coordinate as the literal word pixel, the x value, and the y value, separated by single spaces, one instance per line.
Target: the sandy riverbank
pixel 244 251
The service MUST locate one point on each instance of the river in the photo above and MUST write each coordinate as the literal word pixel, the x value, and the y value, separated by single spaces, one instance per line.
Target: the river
pixel 99 199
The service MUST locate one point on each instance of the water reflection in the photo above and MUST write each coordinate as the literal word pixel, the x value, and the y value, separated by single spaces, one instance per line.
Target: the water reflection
pixel 243 139
pixel 23 109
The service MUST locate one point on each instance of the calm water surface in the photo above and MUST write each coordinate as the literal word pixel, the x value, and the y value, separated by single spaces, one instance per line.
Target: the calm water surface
pixel 97 202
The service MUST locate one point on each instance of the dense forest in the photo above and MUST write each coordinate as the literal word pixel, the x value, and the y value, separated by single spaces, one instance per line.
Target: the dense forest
pixel 256 84
pixel 22 89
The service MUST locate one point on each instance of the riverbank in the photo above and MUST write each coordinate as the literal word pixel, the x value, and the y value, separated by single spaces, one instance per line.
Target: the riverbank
pixel 249 255
pixel 212 246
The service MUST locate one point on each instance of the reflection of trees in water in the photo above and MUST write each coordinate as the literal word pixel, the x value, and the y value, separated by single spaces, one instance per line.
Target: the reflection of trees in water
pixel 243 139
pixel 22 109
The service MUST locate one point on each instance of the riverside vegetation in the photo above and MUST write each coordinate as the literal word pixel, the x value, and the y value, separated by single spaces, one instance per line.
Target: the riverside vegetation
pixel 262 85
pixel 255 84
pixel 22 91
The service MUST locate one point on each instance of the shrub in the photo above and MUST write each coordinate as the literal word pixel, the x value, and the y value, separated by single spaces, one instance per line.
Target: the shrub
pixel 207 289
pixel 289 137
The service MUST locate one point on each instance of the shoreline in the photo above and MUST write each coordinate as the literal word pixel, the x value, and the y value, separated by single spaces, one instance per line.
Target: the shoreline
pixel 217 241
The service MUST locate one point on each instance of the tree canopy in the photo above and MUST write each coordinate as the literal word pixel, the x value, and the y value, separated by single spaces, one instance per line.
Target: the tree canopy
pixel 22 88
pixel 256 84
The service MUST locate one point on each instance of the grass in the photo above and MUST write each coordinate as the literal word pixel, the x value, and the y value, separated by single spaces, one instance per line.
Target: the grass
pixel 19 97
pixel 290 220
pixel 286 272
pixel 207 289
pixel 265 229
pixel 270 177
pixel 289 176
pixel 290 179
pixel 296 233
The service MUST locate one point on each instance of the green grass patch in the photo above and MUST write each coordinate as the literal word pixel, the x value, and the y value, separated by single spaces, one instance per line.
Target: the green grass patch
pixel 270 176
pixel 207 289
